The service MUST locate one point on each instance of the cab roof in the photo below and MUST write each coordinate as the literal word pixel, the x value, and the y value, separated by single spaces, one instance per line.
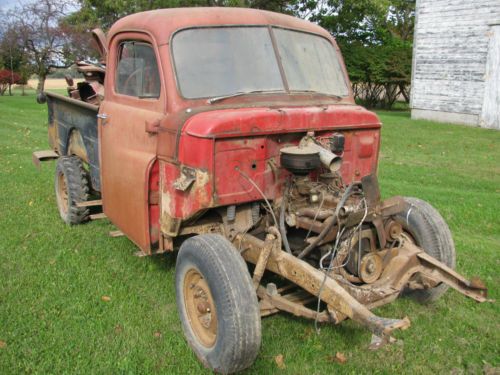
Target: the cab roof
pixel 162 23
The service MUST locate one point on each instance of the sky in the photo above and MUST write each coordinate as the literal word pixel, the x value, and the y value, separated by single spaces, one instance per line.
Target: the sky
pixel 7 4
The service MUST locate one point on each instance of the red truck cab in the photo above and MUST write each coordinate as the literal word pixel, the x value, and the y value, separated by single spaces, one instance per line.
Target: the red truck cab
pixel 165 115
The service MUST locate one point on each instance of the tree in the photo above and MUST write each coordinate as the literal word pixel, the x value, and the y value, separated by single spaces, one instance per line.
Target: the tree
pixel 375 37
pixel 7 79
pixel 103 13
pixel 13 57
pixel 43 40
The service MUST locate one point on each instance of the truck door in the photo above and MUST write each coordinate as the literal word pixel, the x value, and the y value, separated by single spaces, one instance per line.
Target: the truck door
pixel 134 104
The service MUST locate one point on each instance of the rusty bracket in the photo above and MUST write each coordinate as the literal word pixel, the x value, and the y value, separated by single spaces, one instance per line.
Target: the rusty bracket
pixel 379 211
pixel 271 302
pixel 314 281
pixel 45 155
pixel 439 272
pixel 186 179
pixel 93 203
pixel 272 242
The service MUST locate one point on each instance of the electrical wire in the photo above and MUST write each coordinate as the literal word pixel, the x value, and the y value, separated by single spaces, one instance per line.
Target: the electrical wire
pixel 329 226
pixel 332 254
pixel 333 251
pixel 284 238
pixel 316 215
pixel 261 193
pixel 282 221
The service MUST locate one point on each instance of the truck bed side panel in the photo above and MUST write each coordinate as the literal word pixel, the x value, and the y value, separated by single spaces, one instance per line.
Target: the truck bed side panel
pixel 68 115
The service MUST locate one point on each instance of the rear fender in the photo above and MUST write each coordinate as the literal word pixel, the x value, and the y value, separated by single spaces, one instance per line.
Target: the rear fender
pixel 76 145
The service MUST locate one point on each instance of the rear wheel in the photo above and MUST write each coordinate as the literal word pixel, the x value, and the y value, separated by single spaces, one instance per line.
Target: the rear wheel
pixel 71 186
pixel 217 304
pixel 428 230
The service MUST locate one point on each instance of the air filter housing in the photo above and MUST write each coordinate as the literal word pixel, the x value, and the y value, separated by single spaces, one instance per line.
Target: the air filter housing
pixel 300 160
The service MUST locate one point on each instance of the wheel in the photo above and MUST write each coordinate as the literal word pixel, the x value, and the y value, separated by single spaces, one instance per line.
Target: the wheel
pixel 71 185
pixel 428 230
pixel 217 303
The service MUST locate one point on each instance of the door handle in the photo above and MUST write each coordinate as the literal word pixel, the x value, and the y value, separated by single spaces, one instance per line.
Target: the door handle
pixel 152 127
pixel 103 117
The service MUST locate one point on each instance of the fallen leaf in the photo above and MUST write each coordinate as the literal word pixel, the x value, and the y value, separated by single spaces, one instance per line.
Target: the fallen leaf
pixel 157 334
pixel 118 329
pixel 106 298
pixel 338 357
pixel 3 344
pixel 280 361
pixel 30 203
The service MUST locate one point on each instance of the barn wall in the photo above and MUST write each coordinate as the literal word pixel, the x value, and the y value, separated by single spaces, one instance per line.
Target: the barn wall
pixel 449 60
pixel 490 116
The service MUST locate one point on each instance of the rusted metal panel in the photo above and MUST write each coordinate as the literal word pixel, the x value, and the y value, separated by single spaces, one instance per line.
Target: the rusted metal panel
pixel 75 121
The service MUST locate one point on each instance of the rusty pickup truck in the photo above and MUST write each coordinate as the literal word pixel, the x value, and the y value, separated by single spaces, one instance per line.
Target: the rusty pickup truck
pixel 232 136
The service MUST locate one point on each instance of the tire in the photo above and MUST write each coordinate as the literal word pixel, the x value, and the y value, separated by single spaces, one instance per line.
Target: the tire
pixel 210 273
pixel 71 186
pixel 429 231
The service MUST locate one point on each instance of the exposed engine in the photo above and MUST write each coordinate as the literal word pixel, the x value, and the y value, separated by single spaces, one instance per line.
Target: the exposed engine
pixel 330 225
pixel 347 249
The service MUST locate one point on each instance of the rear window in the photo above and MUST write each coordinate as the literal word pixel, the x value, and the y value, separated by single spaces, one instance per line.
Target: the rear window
pixel 137 71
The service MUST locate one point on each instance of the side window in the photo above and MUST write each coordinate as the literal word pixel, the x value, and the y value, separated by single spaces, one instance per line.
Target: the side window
pixel 137 71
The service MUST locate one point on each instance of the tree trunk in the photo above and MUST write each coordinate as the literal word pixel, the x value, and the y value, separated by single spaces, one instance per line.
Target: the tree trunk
pixel 41 83
pixel 10 89
pixel 404 92
pixel 22 90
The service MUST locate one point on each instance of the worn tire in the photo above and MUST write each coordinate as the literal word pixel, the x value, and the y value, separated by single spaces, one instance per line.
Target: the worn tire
pixel 71 185
pixel 238 331
pixel 430 232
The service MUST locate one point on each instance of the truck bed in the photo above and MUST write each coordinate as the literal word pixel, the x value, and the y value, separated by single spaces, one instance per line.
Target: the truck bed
pixel 73 131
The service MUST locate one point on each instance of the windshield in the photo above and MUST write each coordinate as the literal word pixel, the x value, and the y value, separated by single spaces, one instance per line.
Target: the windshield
pixel 219 61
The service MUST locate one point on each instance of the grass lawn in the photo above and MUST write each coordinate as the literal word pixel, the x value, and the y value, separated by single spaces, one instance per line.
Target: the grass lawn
pixel 53 277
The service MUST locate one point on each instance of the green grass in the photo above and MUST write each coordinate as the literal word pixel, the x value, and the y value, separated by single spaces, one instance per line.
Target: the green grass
pixel 52 277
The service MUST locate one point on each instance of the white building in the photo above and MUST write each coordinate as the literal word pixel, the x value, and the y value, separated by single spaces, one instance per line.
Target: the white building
pixel 456 62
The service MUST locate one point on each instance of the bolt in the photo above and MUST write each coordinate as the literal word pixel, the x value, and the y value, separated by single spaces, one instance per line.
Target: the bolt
pixel 371 267
pixel 202 307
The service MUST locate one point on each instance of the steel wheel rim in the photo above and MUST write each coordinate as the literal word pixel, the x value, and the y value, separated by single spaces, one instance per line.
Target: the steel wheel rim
pixel 62 193
pixel 200 308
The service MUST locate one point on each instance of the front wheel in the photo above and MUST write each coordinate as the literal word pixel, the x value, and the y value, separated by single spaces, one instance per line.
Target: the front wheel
pixel 428 230
pixel 217 304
